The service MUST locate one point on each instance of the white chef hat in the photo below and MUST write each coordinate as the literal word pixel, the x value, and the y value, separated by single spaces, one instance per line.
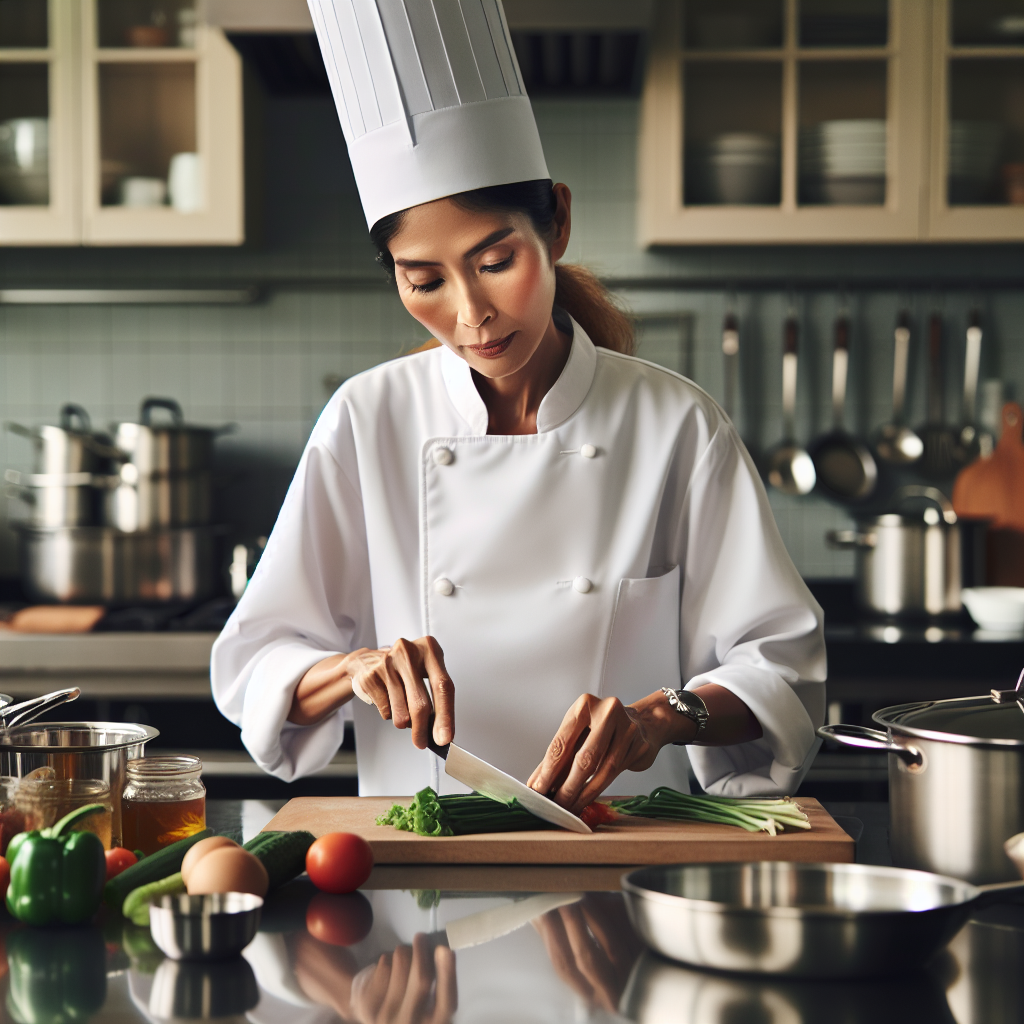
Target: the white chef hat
pixel 430 97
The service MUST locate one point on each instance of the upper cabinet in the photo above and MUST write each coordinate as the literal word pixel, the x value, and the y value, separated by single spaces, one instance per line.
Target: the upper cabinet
pixel 120 124
pixel 833 121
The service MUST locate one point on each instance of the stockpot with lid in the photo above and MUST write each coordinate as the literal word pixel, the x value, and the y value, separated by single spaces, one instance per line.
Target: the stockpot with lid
pixel 70 448
pixel 956 781
pixel 154 449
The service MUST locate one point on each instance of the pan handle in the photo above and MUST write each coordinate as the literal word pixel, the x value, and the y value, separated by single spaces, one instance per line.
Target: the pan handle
pixel 849 540
pixel 871 739
pixel 998 892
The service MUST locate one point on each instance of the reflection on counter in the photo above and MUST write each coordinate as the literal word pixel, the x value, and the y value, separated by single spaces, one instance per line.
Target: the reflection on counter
pixel 438 956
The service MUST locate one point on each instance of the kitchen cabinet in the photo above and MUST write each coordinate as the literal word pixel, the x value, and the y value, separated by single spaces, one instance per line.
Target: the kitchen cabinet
pixel 833 121
pixel 120 124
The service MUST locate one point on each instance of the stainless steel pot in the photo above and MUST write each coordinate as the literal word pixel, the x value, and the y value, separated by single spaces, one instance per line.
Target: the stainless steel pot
pixel 101 565
pixel 68 448
pixel 907 562
pixel 77 750
pixel 802 920
pixel 160 449
pixel 956 782
pixel 133 502
pixel 56 499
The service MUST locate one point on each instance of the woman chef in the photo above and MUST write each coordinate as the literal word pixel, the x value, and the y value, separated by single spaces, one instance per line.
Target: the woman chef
pixel 554 534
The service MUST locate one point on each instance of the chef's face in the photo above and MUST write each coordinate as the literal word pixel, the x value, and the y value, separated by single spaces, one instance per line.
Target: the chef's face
pixel 483 283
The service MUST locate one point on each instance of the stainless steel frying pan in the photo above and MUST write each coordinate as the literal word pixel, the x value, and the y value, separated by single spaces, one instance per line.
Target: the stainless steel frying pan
pixel 802 920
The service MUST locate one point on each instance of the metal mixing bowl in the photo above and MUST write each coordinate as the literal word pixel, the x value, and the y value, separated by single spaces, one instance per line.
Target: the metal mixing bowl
pixel 205 927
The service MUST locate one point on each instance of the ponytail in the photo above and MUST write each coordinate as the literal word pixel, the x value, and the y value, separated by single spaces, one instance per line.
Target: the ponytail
pixel 591 305
pixel 577 290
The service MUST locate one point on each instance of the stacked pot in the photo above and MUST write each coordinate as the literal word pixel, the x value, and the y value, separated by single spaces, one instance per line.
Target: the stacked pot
pixel 119 518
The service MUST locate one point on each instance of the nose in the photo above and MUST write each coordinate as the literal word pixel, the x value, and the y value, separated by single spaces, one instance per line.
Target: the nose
pixel 474 308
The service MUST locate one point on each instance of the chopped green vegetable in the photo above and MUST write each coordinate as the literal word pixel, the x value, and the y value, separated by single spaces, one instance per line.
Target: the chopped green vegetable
pixel 769 815
pixel 459 814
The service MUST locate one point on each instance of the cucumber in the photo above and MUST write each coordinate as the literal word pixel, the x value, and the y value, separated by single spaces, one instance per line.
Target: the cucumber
pixel 136 904
pixel 283 854
pixel 151 869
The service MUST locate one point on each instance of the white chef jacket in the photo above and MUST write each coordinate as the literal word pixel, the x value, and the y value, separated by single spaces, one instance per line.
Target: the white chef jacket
pixel 626 546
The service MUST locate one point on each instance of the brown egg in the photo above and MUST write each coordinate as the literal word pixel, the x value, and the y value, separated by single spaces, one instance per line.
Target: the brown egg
pixel 229 869
pixel 196 853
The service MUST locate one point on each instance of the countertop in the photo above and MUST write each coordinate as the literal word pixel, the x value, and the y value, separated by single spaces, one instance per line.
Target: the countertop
pixel 383 955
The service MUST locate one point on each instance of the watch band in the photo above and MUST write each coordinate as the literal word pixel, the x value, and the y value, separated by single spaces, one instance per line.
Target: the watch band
pixel 687 703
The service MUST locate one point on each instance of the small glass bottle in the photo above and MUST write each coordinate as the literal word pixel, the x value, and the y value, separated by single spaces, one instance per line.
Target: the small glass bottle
pixel 164 800
pixel 43 802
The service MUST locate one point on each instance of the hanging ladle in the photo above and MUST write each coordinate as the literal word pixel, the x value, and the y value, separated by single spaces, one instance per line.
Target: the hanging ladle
pixel 28 710
pixel 896 442
pixel 790 468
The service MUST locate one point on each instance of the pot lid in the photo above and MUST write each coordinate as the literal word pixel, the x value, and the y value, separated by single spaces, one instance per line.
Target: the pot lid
pixel 996 719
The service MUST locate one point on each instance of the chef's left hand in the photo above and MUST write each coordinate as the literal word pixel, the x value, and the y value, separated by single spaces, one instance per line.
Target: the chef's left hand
pixel 599 739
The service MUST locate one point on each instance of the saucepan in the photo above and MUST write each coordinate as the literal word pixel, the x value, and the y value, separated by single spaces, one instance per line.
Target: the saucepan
pixel 803 920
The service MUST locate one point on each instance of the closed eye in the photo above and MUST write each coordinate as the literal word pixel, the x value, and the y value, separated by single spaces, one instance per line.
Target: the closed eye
pixel 497 268
pixel 430 286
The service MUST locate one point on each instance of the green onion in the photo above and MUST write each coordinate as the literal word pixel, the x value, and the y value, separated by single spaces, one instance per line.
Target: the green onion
pixel 769 815
pixel 459 814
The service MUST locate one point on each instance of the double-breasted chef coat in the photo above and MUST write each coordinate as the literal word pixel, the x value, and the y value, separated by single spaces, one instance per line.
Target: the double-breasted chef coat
pixel 626 546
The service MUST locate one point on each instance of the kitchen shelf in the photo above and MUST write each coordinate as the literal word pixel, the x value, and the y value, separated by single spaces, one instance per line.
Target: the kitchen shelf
pixel 906 83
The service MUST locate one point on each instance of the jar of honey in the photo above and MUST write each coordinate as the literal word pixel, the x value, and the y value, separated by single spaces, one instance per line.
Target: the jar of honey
pixel 164 800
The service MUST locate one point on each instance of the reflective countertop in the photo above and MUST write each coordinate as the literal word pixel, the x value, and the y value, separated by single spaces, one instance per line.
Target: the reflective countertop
pixel 474 944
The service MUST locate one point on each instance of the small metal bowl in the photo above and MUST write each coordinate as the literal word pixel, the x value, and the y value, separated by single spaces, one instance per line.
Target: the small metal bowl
pixel 205 927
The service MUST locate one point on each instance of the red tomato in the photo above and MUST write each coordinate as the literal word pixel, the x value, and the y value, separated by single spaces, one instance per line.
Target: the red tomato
pixel 598 814
pixel 118 859
pixel 339 919
pixel 339 862
pixel 5 876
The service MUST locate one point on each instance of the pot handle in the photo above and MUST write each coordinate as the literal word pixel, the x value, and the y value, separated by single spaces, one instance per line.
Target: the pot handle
pixel 71 411
pixel 849 540
pixel 870 739
pixel 932 494
pixel 17 428
pixel 151 403
pixel 998 892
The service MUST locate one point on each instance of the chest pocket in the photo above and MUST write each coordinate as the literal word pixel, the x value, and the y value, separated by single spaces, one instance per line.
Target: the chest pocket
pixel 643 644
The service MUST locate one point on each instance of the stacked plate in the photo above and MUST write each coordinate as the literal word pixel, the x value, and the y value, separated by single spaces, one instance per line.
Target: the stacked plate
pixel 974 151
pixel 843 163
pixel 737 169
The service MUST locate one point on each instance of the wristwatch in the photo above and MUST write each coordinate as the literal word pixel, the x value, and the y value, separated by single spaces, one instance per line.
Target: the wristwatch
pixel 689 704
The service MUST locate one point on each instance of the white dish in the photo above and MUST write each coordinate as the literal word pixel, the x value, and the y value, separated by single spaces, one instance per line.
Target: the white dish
pixel 999 609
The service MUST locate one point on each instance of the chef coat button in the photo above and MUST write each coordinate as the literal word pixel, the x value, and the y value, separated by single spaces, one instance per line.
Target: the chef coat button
pixel 582 585
pixel 444 456
pixel 442 584
pixel 588 451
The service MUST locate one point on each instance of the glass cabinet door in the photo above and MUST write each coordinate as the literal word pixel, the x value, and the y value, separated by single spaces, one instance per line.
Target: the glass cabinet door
pixel 36 132
pixel 977 160
pixel 163 127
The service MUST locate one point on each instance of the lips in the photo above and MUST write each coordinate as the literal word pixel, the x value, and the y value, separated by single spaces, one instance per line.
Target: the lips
pixel 493 349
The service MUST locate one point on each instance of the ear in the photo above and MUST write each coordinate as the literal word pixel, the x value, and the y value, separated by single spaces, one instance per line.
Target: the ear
pixel 561 222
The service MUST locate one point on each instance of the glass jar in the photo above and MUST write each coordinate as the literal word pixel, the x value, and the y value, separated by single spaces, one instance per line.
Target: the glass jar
pixel 164 800
pixel 43 802
pixel 12 821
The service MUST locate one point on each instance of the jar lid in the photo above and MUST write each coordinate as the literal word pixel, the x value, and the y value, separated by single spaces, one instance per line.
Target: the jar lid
pixel 164 766
pixel 982 721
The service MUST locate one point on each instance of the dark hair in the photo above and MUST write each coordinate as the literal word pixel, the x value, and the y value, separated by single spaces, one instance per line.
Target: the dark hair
pixel 577 290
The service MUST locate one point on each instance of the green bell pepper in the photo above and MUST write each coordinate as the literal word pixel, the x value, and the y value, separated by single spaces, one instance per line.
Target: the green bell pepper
pixel 57 876
pixel 57 976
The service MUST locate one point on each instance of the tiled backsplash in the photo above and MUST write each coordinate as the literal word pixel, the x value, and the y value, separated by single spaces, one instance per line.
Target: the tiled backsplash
pixel 263 366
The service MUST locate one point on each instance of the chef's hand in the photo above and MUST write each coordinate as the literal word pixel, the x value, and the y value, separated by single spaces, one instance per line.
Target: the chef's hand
pixel 592 947
pixel 599 739
pixel 390 678
pixel 324 973
pixel 411 985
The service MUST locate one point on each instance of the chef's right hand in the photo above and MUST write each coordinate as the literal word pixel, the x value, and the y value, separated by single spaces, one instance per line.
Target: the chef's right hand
pixel 411 985
pixel 390 678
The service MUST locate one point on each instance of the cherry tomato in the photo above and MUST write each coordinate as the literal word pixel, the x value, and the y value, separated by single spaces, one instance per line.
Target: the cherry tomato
pixel 598 814
pixel 339 862
pixel 5 876
pixel 339 919
pixel 118 859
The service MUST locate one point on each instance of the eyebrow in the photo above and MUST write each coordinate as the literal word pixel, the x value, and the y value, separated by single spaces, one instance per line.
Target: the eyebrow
pixel 492 239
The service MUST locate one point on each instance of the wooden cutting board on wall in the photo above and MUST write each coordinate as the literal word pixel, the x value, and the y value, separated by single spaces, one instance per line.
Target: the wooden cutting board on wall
pixel 635 841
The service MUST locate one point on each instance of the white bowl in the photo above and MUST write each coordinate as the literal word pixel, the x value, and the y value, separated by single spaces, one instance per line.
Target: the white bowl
pixel 1000 609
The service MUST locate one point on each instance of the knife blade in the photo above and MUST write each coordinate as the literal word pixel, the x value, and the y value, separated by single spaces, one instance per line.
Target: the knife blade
pixel 487 780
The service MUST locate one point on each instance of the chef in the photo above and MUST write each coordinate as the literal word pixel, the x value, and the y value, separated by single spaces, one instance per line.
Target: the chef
pixel 522 537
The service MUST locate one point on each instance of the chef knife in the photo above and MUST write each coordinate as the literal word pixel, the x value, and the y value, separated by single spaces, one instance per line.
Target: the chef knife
pixel 487 780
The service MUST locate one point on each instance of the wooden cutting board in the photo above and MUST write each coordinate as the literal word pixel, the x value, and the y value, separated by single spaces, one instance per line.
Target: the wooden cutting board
pixel 633 842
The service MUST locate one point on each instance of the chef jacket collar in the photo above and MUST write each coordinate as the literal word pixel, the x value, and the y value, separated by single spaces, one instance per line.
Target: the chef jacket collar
pixel 564 398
